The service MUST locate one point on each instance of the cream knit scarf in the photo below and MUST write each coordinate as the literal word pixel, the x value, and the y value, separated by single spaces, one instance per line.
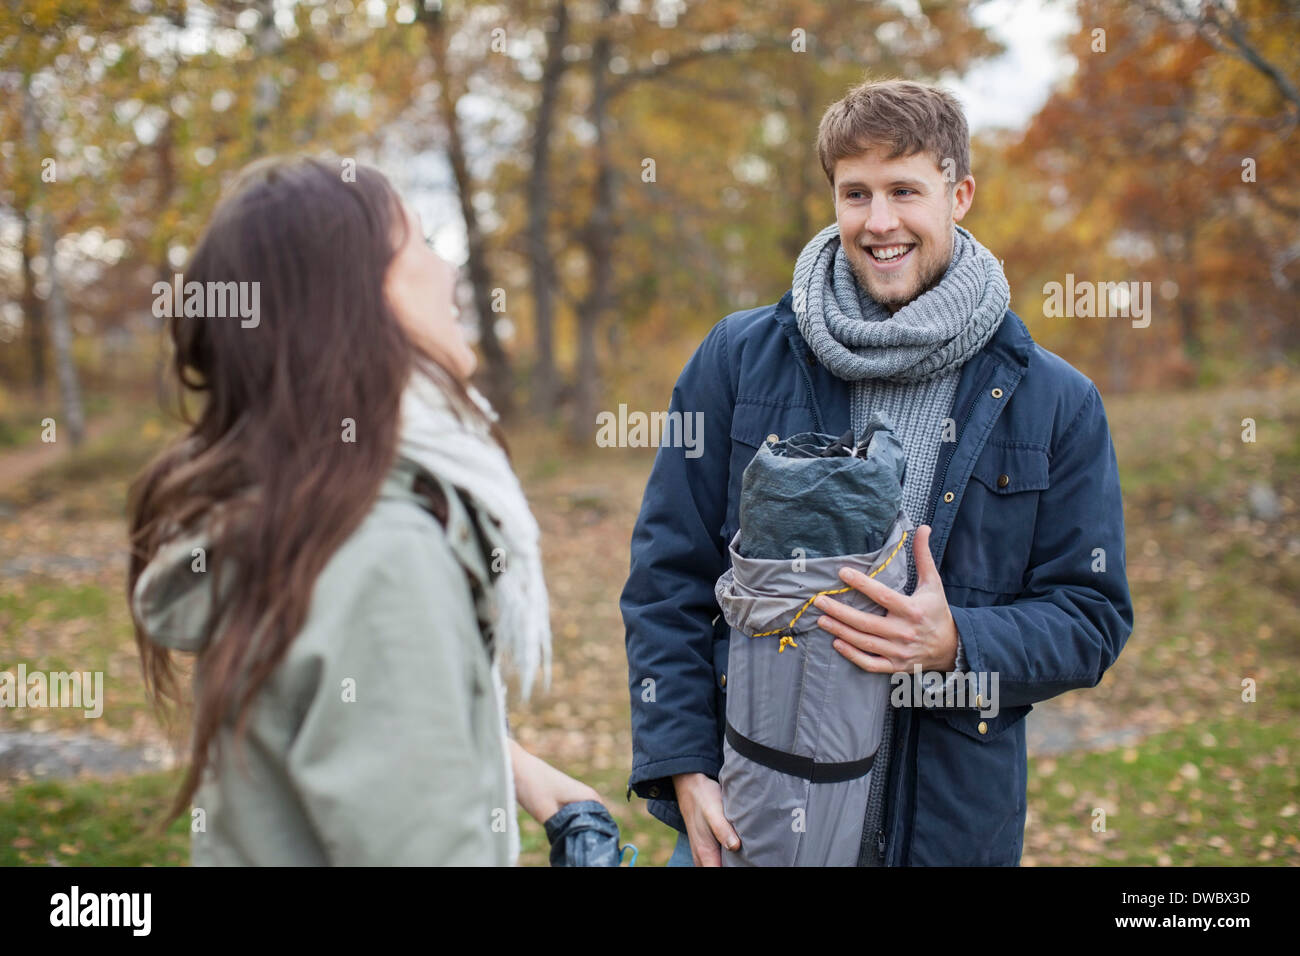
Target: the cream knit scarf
pixel 460 449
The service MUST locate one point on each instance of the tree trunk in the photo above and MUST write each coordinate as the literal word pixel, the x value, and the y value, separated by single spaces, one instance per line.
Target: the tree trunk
pixel 1188 289
pixel 33 309
pixel 598 238
pixel 266 91
pixel 497 378
pixel 74 418
pixel 546 378
pixel 800 231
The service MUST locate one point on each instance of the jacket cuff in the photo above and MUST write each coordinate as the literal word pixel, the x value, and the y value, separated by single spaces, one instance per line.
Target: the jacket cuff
pixel 658 791
pixel 967 649
pixel 667 811
pixel 654 780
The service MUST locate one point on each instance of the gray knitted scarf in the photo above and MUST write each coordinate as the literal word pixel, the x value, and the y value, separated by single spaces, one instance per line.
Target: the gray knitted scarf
pixel 857 338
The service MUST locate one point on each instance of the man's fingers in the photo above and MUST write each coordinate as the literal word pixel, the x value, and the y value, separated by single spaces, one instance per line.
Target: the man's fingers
pixel 877 624
pixel 704 846
pixel 722 829
pixel 872 644
pixel 895 602
pixel 868 662
pixel 922 558
pixel 706 852
pixel 862 643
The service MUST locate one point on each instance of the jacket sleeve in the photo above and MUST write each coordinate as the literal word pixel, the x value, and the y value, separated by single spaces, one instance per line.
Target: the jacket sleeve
pixel 668 603
pixel 1075 614
pixel 393 776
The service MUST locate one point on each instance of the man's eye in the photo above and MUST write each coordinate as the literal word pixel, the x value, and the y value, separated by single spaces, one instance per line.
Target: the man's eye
pixel 908 192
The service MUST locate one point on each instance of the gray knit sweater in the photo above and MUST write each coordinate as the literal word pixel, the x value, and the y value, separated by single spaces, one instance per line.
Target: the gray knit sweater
pixel 911 405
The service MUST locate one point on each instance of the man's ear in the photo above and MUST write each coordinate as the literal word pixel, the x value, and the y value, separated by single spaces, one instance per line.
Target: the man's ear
pixel 963 195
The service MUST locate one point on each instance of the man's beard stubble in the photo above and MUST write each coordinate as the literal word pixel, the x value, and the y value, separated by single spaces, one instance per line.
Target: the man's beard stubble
pixel 927 283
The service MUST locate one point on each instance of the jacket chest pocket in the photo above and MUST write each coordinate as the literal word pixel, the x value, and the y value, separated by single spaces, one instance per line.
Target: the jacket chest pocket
pixel 993 532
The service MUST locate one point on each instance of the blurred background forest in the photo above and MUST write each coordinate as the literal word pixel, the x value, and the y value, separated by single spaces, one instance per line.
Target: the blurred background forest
pixel 615 177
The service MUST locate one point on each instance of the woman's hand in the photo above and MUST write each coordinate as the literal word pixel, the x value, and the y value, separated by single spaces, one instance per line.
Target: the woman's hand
pixel 541 789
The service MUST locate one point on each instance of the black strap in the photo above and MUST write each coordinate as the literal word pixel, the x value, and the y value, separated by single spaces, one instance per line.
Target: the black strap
pixel 436 504
pixel 795 765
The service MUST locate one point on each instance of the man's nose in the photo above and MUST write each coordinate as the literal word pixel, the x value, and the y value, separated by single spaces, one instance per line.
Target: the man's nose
pixel 881 218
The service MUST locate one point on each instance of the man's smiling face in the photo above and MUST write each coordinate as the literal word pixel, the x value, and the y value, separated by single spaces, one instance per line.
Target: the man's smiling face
pixel 896 221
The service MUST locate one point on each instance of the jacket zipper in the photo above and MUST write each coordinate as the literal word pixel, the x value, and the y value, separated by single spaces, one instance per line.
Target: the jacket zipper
pixel 802 362
pixel 934 503
pixel 897 754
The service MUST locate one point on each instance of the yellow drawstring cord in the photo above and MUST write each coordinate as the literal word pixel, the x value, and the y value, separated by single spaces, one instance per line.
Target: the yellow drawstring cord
pixel 788 639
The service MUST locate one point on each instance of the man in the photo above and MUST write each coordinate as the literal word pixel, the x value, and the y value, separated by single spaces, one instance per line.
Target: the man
pixel 1018 567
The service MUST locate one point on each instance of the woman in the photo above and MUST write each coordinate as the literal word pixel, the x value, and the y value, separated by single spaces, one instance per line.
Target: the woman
pixel 340 540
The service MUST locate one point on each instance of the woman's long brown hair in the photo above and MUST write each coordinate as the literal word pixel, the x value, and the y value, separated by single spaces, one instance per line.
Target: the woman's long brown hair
pixel 264 469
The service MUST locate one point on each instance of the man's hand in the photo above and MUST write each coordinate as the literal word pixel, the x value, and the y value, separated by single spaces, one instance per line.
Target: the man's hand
pixel 700 799
pixel 914 630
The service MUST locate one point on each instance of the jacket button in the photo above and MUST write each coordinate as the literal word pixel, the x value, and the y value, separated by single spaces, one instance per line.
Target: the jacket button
pixel 948 496
pixel 654 791
pixel 722 681
pixel 1003 481
pixel 983 727
pixel 772 438
pixel 979 701
pixel 996 393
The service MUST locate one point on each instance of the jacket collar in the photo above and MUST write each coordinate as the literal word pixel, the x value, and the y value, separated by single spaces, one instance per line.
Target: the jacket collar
pixel 1011 343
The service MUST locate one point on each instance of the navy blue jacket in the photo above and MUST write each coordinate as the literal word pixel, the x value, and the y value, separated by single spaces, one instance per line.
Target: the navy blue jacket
pixel 1028 537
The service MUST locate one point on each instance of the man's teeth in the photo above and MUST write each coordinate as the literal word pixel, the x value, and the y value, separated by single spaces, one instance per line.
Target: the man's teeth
pixel 889 253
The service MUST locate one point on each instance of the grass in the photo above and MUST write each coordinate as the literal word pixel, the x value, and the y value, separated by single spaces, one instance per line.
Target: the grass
pixel 80 627
pixel 93 823
pixel 54 603
pixel 21 414
pixel 17 432
pixel 1220 793
pixel 110 823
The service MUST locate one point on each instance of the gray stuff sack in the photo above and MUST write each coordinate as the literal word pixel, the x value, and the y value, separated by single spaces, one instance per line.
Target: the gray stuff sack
pixel 803 722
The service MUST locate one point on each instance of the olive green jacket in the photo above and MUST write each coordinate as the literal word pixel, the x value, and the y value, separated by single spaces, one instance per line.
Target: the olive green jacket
pixel 380 737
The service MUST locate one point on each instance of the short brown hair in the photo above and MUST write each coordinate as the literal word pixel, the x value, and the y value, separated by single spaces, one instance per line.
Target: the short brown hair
pixel 903 116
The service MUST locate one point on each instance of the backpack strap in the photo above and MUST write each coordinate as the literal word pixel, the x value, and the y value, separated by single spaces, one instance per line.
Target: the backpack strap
pixel 434 500
pixel 796 766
